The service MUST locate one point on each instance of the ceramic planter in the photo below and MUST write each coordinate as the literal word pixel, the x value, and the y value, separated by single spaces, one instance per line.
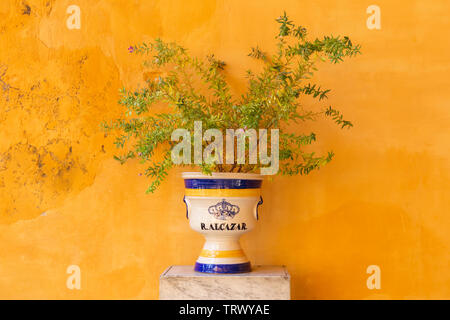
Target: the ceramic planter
pixel 222 207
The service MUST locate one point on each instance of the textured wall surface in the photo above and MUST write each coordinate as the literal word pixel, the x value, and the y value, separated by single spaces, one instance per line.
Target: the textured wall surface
pixel 383 201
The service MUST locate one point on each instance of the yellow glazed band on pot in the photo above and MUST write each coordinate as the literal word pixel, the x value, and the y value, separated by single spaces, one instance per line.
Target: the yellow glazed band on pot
pixel 222 253
pixel 222 192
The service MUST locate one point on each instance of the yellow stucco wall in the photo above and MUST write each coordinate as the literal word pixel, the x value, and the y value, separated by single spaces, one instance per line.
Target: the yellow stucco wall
pixel 383 201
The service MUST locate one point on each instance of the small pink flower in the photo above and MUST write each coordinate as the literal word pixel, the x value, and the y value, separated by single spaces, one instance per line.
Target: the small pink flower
pixel 130 49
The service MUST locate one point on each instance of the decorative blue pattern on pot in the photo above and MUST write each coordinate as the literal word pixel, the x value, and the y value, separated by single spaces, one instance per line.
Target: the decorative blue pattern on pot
pixel 222 184
pixel 224 210
pixel 223 268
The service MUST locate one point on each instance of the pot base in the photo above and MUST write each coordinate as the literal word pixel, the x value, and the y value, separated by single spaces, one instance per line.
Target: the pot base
pixel 223 268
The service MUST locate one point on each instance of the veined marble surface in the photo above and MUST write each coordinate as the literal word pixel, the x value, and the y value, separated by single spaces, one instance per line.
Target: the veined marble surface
pixel 262 283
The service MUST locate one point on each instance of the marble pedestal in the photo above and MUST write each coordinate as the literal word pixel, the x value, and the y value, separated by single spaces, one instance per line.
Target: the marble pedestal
pixel 262 283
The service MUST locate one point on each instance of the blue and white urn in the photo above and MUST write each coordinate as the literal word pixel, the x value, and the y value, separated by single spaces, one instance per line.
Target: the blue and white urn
pixel 222 207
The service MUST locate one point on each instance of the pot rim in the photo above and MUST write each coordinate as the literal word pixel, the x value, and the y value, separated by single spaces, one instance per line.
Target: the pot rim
pixel 222 175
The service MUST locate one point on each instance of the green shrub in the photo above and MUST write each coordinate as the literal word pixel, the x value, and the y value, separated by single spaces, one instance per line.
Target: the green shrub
pixel 196 90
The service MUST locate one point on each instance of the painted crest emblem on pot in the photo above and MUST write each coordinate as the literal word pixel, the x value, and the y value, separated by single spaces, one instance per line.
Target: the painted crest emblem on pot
pixel 224 210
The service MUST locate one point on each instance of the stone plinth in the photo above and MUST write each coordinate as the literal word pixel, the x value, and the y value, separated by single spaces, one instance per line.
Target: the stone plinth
pixel 262 283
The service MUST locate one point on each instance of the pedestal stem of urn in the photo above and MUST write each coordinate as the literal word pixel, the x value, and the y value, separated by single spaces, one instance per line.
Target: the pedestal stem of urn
pixel 222 255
